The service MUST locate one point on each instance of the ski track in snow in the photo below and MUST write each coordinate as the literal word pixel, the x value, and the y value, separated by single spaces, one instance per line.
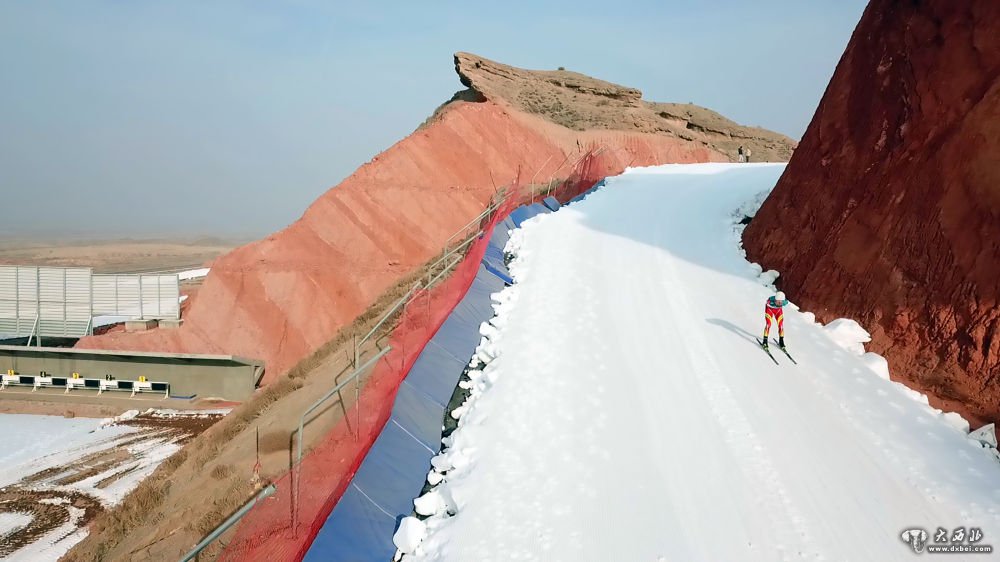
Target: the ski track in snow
pixel 629 415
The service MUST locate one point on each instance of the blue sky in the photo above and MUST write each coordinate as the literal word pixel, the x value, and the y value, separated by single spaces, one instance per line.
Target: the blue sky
pixel 122 118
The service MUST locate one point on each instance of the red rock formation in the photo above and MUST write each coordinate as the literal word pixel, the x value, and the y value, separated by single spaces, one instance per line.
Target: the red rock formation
pixel 281 298
pixel 889 211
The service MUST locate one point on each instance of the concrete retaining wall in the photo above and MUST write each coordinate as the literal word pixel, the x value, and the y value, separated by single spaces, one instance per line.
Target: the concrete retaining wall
pixel 218 376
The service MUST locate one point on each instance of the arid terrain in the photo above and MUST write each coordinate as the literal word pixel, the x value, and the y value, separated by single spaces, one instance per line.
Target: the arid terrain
pixel 115 256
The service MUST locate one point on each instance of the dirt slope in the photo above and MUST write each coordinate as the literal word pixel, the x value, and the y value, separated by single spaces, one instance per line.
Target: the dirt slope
pixel 889 212
pixel 282 297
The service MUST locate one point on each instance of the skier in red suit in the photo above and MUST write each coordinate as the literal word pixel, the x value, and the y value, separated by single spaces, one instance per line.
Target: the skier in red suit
pixel 773 310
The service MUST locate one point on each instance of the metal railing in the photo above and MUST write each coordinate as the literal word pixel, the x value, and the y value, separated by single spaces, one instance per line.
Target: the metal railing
pixel 385 318
pixel 432 277
pixel 449 250
pixel 233 519
pixel 353 377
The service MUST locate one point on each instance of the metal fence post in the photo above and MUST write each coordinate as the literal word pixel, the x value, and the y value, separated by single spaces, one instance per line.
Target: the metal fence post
pixel 302 419
pixel 357 390
pixel 357 406
pixel 38 305
pixel 194 552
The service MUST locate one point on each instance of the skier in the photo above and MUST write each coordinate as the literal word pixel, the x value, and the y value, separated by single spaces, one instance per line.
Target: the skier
pixel 773 309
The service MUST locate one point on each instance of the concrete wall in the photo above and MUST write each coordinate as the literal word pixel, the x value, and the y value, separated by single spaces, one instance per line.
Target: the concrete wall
pixel 217 376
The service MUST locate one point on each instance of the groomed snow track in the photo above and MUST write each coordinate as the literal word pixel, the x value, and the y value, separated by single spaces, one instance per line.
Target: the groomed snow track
pixel 629 415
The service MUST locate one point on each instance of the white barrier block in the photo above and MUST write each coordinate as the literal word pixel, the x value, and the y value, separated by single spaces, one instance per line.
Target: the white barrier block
pixel 140 386
pixel 75 383
pixel 42 381
pixel 107 385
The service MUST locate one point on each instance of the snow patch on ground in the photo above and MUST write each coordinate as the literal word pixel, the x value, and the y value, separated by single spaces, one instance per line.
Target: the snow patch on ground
pixel 172 413
pixel 125 416
pixel 848 334
pixel 56 543
pixel 32 443
pixel 193 274
pixel 49 454
pixel 10 522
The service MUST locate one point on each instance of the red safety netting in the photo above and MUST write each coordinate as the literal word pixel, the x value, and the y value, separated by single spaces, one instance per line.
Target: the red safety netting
pixel 283 526
pixel 595 165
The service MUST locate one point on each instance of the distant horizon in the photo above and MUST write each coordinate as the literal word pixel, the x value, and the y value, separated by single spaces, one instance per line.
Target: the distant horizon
pixel 224 120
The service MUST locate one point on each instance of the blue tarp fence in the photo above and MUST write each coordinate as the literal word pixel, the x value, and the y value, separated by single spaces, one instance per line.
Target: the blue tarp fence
pixel 361 525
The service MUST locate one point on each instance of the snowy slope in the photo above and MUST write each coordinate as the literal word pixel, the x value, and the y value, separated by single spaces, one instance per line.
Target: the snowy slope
pixel 629 415
pixel 32 443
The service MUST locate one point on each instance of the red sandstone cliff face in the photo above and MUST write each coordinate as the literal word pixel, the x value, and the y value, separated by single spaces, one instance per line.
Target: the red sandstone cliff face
pixel 281 298
pixel 889 211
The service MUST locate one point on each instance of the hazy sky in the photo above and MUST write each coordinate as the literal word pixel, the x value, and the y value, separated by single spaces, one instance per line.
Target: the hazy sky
pixel 123 118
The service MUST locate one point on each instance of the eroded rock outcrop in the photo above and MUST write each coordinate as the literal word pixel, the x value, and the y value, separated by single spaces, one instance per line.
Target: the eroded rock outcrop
pixel 580 102
pixel 889 212
pixel 283 297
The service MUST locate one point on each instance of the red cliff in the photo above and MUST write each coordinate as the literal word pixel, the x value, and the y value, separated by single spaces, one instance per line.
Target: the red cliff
pixel 889 211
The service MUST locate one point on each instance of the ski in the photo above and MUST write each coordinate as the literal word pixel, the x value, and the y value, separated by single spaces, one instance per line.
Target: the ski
pixel 785 351
pixel 766 350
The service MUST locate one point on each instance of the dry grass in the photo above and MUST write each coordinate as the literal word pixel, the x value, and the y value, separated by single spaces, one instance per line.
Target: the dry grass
pixel 275 441
pixel 236 495
pixel 215 439
pixel 115 255
pixel 140 505
pixel 175 460
pixel 222 471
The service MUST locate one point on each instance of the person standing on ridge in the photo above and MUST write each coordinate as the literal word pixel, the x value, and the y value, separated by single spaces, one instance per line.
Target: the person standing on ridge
pixel 739 152
pixel 746 154
pixel 773 309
